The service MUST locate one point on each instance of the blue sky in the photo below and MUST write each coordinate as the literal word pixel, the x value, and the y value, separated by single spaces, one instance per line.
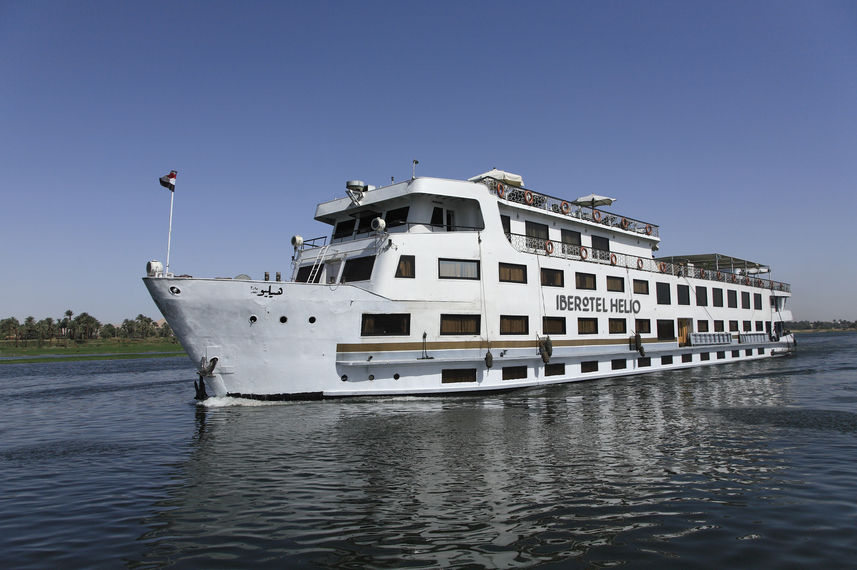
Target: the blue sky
pixel 732 125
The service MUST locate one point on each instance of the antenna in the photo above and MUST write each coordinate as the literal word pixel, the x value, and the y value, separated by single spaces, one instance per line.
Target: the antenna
pixel 414 164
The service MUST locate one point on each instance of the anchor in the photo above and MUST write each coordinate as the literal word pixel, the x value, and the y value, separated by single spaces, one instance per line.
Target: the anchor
pixel 206 367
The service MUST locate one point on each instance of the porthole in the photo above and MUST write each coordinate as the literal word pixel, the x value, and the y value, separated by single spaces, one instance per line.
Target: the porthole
pixel 312 320
pixel 371 377
pixel 396 376
pixel 175 290
pixel 344 378
pixel 283 320
pixel 253 319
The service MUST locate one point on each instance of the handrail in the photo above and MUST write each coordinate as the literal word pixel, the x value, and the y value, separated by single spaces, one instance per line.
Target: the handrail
pixel 539 246
pixel 559 206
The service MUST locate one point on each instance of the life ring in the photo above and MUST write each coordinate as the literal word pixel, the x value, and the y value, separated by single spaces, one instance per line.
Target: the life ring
pixel 639 263
pixel 528 196
pixel 648 229
pixel 596 215
pixel 625 223
pixel 549 247
pixel 612 259
pixel 501 190
pixel 583 253
pixel 565 207
pixel 663 267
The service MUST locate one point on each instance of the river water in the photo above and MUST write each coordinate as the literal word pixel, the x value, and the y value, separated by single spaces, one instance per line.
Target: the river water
pixel 111 463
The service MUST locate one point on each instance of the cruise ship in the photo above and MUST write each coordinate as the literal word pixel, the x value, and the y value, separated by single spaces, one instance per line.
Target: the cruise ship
pixel 433 286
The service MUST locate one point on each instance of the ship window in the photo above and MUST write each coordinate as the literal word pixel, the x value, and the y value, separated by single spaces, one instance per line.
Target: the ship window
pixel 406 267
pixel 534 230
pixel 553 325
pixel 365 223
pixel 733 326
pixel 643 326
pixel 459 324
pixel 358 269
pixel 644 361
pixel 437 216
pixel 303 274
pixel 505 221
pixel 721 355
pixel 641 287
pixel 450 220
pixel 343 229
pixel 513 324
pixel 617 326
pixel 666 329
pixel 457 269
pixel 701 296
pixel 553 278
pixel 512 273
pixel 589 366
pixel 397 217
pixel 757 301
pixel 732 299
pixel 748 352
pixel 600 247
pixel 745 299
pixel 717 296
pixel 587 325
pixel 514 372
pixel 663 290
pixel 386 324
pixel 666 359
pixel 748 326
pixel 570 242
pixel 683 295
pixel 702 326
pixel 687 358
pixel 736 353
pixel 585 280
pixel 718 326
pixel 615 284
pixel 759 326
pixel 451 375
pixel 555 369
pixel 618 364
pixel 760 351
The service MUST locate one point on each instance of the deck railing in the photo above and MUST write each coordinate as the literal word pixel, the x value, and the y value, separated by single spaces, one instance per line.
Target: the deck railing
pixel 565 207
pixel 540 246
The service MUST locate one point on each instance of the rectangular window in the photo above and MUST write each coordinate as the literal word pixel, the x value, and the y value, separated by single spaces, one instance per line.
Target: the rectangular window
pixel 666 359
pixel 514 372
pixel 553 325
pixel 407 267
pixel 733 326
pixel 732 299
pixel 644 361
pixel 398 324
pixel 453 375
pixel 663 292
pixel 683 295
pixel 718 326
pixel 570 242
pixel 745 299
pixel 759 326
pixel 717 297
pixel 511 273
pixel 358 269
pixel 553 278
pixel 760 351
pixel 701 326
pixel 397 217
pixel 705 356
pixel 343 229
pixel 600 247
pixel 555 369
pixel 748 326
pixel 666 329
pixel 641 287
pixel 458 269
pixel 437 217
pixel 587 326
pixel 687 358
pixel 537 231
pixel 615 284
pixel 506 222
pixel 304 272
pixel 721 355
pixel 736 353
pixel 643 326
pixel 584 280
pixel 460 324
pixel 757 301
pixel 701 296
pixel 748 352
pixel 617 326
pixel 512 324
pixel 618 364
pixel 589 366
pixel 364 223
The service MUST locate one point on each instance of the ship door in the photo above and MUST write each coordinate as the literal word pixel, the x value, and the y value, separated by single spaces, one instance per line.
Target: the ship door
pixel 685 327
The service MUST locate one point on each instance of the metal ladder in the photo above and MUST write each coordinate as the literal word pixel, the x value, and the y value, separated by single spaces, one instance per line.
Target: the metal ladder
pixel 316 266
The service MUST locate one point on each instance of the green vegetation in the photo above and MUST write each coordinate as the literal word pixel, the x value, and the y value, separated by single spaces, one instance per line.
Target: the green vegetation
pixel 820 326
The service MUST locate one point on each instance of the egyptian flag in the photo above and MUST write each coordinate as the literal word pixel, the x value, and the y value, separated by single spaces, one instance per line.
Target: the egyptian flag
pixel 169 181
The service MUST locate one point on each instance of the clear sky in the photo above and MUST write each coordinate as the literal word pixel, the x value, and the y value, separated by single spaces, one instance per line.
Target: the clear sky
pixel 732 125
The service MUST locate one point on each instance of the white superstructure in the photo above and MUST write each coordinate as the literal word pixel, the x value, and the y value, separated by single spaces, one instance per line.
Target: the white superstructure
pixel 433 286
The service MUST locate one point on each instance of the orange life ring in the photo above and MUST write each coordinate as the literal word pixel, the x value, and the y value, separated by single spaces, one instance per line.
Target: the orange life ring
pixel 501 190
pixel 662 267
pixel 648 229
pixel 528 196
pixel 625 223
pixel 583 253
pixel 596 215
pixel 549 247
pixel 564 207
pixel 639 263
pixel 612 259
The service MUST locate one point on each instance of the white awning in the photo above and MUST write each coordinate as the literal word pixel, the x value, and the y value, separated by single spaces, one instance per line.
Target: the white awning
pixel 501 175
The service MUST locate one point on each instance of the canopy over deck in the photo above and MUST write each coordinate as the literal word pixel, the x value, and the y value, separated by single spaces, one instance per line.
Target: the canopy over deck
pixel 719 262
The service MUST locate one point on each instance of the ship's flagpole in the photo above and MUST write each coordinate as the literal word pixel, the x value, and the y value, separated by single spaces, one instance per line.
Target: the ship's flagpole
pixel 169 182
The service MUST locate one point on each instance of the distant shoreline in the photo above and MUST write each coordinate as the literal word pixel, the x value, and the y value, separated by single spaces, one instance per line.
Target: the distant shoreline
pixel 91 350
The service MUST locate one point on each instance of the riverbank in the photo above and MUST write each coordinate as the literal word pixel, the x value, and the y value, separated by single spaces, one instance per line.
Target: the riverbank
pixel 110 349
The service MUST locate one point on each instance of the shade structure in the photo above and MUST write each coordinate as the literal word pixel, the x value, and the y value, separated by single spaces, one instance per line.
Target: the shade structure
pixel 593 200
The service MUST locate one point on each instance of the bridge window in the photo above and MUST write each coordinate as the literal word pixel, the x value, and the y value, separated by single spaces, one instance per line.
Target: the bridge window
pixel 397 217
pixel 458 269
pixel 343 229
pixel 386 324
pixel 365 223
pixel 406 268
pixel 358 269
pixel 304 272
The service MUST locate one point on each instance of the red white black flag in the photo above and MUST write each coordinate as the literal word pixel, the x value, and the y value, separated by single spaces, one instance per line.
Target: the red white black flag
pixel 169 181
